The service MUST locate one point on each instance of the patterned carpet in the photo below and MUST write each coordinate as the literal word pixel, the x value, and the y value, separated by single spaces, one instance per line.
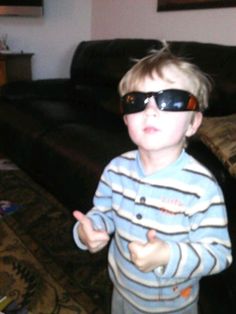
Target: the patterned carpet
pixel 41 270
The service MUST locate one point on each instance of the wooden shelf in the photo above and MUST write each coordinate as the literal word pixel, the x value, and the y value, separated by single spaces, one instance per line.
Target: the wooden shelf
pixel 15 67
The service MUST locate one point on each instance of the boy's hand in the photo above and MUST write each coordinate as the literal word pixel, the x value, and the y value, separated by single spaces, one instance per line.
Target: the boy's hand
pixel 148 256
pixel 95 240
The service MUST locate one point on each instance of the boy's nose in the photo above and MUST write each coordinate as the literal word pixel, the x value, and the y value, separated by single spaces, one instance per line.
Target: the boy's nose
pixel 151 107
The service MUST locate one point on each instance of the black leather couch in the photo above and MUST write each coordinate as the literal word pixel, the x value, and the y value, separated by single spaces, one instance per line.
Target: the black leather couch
pixel 64 131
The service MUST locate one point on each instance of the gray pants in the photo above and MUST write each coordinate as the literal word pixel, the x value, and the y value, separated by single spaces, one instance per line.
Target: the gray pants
pixel 121 306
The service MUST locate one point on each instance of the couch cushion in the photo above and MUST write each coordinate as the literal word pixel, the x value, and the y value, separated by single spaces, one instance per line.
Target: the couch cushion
pixel 97 97
pixel 74 156
pixel 47 89
pixel 219 134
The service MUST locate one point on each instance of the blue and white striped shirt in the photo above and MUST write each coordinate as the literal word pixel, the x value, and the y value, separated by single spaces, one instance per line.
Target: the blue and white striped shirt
pixel 184 205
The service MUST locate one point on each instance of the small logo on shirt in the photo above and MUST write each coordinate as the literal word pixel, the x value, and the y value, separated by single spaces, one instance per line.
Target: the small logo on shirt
pixel 171 206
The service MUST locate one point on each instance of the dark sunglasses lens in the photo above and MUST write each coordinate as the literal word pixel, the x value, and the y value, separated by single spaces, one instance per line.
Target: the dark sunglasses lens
pixel 170 101
pixel 176 100
pixel 133 102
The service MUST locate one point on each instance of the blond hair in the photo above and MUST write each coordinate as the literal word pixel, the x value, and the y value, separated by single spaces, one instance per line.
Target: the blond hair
pixel 156 62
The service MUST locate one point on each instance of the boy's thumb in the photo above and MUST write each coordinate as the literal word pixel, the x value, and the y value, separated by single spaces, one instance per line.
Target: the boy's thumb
pixel 78 215
pixel 151 236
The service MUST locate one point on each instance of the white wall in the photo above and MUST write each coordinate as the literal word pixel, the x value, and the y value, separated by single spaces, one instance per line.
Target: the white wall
pixel 53 37
pixel 140 19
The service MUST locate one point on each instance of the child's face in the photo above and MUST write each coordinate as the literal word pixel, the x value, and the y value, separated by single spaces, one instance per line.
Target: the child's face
pixel 153 130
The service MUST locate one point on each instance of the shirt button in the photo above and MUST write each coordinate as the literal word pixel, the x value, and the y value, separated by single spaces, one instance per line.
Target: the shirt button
pixel 139 216
pixel 142 200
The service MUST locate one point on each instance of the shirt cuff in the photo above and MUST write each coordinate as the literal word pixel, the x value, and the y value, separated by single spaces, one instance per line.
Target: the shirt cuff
pixel 77 240
pixel 169 270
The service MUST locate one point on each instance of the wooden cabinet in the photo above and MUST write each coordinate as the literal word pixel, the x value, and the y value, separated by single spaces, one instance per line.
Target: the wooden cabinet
pixel 15 67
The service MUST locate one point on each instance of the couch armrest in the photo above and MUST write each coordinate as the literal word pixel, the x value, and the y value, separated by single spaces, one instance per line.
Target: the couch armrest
pixel 198 149
pixel 49 89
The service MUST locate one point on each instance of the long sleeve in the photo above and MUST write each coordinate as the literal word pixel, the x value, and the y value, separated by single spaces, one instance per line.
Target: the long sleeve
pixel 207 250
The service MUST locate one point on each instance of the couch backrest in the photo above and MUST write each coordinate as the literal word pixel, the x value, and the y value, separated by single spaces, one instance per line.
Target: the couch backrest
pixel 219 62
pixel 104 62
pixel 97 67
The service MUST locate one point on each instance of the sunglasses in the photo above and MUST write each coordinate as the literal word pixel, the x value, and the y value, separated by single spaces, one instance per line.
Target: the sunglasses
pixel 166 100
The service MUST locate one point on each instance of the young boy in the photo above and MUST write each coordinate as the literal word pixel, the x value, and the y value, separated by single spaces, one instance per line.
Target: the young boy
pixel 164 210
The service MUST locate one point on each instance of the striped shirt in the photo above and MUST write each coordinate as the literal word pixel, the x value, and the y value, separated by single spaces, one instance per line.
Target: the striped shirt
pixel 184 205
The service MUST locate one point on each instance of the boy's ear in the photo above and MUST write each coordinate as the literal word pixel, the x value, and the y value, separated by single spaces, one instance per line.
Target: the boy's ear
pixel 195 124
pixel 125 119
